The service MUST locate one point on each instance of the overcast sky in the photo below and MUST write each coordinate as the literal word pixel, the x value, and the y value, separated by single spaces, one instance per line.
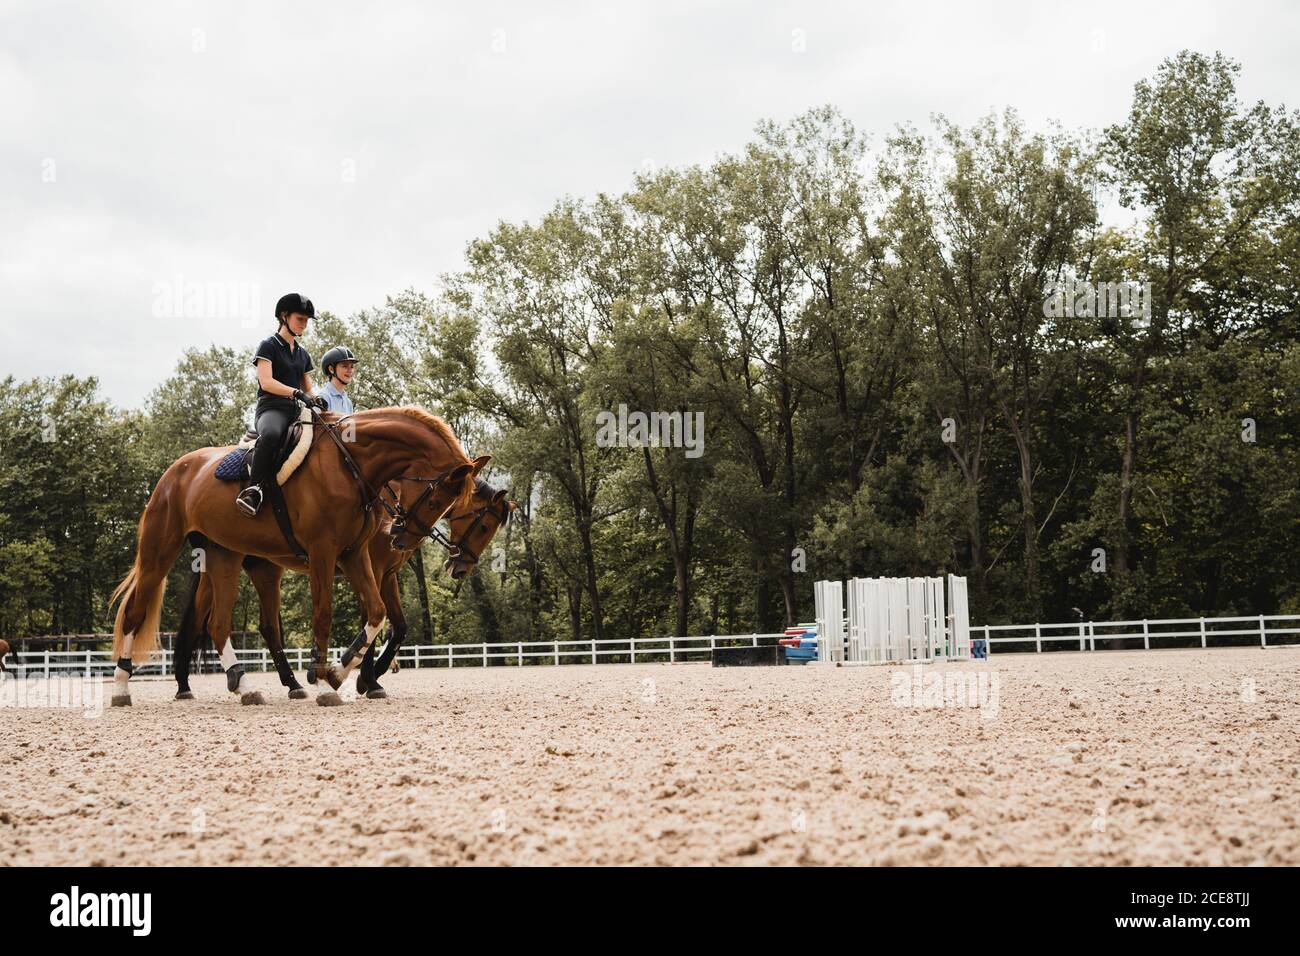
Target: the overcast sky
pixel 349 151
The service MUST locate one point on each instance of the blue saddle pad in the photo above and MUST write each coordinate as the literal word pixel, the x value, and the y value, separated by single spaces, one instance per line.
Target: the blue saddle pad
pixel 234 467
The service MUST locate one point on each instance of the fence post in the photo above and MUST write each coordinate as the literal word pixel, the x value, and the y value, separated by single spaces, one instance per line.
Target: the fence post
pixel 1081 644
pixel 1262 641
pixel 672 650
pixel 47 665
pixel 521 653
pixel 555 645
pixel 485 653
pixel 1202 633
pixel 632 659
pixel 593 652
pixel 1146 636
pixel 1038 638
pixel 449 656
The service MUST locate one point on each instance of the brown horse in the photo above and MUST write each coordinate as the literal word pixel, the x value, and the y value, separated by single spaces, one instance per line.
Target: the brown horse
pixel 471 531
pixel 4 649
pixel 334 511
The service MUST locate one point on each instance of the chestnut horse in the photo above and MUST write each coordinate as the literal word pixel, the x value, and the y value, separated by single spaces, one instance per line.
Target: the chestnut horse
pixel 470 532
pixel 334 511
pixel 4 649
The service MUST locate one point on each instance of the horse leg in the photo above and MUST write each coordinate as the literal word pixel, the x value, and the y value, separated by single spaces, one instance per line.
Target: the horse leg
pixel 361 575
pixel 135 627
pixel 266 577
pixel 193 618
pixel 368 682
pixel 328 679
pixel 223 574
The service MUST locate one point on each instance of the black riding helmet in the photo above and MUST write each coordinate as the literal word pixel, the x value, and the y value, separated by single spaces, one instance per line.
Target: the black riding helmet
pixel 340 353
pixel 294 302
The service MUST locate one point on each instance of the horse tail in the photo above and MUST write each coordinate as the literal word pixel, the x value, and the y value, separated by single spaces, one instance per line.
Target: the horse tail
pixel 146 635
pixel 139 597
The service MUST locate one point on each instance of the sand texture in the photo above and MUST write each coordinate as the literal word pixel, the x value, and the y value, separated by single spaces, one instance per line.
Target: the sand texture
pixel 1106 758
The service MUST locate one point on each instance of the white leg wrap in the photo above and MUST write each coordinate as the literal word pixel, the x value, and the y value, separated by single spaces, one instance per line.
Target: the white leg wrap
pixel 229 660
pixel 120 677
pixel 372 631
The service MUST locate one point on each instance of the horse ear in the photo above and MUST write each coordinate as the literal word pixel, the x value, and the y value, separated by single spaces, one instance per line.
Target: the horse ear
pixel 462 472
pixel 499 495
pixel 481 462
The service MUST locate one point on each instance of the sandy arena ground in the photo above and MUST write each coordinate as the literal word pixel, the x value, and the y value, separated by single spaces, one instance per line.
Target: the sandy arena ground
pixel 1113 758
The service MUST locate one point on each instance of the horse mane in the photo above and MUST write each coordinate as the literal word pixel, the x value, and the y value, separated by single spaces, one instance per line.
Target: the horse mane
pixel 443 431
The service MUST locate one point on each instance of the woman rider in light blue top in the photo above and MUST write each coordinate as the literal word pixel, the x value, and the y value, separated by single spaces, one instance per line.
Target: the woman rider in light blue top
pixel 338 364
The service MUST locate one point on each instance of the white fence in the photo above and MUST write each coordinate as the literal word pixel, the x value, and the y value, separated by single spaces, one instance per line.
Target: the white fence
pixel 644 650
pixel 1080 636
pixel 1167 632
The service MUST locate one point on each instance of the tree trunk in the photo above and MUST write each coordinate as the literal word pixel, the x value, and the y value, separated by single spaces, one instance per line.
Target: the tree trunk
pixel 575 612
pixel 682 576
pixel 487 615
pixel 593 590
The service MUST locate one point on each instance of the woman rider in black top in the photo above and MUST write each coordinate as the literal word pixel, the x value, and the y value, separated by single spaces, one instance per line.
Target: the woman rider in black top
pixel 282 382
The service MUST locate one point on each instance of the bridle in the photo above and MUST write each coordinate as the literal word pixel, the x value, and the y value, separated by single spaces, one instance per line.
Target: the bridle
pixel 369 496
pixel 460 546
pixel 405 518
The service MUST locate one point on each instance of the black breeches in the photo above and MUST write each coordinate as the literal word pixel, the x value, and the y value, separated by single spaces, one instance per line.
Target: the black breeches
pixel 272 423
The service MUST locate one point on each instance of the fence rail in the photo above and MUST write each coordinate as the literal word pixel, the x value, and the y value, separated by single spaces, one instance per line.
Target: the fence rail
pixel 1268 630
pixel 643 650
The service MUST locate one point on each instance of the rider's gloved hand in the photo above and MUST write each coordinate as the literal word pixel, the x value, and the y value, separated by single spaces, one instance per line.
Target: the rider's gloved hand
pixel 319 402
pixel 300 396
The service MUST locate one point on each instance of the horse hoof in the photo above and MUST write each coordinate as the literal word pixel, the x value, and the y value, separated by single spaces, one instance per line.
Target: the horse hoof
pixel 298 693
pixel 329 699
pixel 121 700
pixel 335 676
pixel 376 693
pixel 252 698
pixel 362 686
pixel 181 695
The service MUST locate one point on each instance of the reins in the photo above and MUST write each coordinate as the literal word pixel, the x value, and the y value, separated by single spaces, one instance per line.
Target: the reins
pixel 456 547
pixel 399 515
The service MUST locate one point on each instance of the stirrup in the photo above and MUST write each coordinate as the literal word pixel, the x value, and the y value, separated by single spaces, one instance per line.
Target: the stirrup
pixel 245 502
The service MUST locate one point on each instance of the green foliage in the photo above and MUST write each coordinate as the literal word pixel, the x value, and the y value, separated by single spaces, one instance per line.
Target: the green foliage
pixel 882 390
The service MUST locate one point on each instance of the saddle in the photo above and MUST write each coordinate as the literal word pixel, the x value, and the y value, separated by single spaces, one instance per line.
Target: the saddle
pixel 235 466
